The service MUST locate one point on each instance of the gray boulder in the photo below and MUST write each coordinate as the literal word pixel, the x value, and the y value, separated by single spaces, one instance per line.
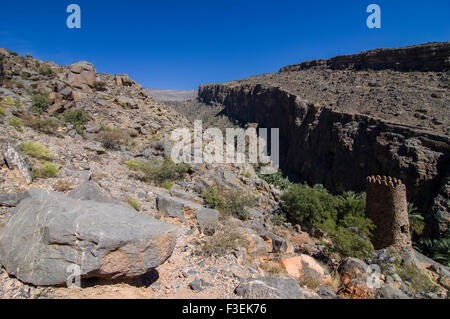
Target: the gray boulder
pixel 208 219
pixel 273 288
pixel 14 159
pixel 187 211
pixel 49 233
pixel 9 200
pixel 90 190
pixel 389 291
pixel 171 206
pixel 279 244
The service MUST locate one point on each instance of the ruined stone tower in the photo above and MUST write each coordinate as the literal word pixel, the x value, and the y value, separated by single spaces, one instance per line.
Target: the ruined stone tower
pixel 387 207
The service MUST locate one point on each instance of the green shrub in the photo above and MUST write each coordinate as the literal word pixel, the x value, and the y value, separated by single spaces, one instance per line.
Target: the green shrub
pixel 416 221
pixel 278 219
pixel 308 206
pixel 78 118
pixel 36 150
pixel 167 185
pixel 436 249
pixel 232 203
pixel 236 204
pixel 159 172
pixel 133 203
pixel 341 217
pixel 114 138
pixel 9 101
pixel 44 125
pixel 416 278
pixel 40 103
pixel 346 241
pixel 226 239
pixel 16 123
pixel 45 71
pixel 62 186
pixel 273 268
pixel 132 165
pixel 2 111
pixel 276 179
pixel 213 198
pixel 48 170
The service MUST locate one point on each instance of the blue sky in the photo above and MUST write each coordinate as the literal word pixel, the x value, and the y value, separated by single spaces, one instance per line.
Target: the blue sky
pixel 181 44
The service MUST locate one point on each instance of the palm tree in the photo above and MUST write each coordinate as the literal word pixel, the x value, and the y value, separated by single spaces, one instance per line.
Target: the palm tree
pixel 416 220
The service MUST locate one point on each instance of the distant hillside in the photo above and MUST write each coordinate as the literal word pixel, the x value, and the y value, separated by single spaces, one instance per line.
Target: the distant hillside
pixel 171 95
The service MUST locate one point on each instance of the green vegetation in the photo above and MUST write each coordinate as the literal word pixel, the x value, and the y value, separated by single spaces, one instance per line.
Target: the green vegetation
pixel 226 239
pixel 341 217
pixel 272 268
pixel 16 123
pixel 310 282
pixel 62 186
pixel 133 203
pixel 276 179
pixel 232 203
pixel 9 101
pixel 45 70
pixel 114 138
pixel 36 150
pixel 247 174
pixel 40 103
pixel 48 170
pixel 2 111
pixel 436 249
pixel 78 118
pixel 213 197
pixel 159 172
pixel 415 278
pixel 167 185
pixel 45 125
pixel 278 219
pixel 416 220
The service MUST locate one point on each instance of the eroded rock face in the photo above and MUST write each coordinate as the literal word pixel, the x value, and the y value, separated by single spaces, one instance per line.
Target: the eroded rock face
pixel 48 232
pixel 82 75
pixel 425 57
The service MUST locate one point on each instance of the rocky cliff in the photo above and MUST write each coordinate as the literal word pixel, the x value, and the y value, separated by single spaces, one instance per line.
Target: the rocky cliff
pixel 340 122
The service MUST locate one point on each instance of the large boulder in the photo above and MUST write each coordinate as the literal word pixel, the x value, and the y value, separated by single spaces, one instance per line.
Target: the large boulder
pixel 48 233
pixel 273 288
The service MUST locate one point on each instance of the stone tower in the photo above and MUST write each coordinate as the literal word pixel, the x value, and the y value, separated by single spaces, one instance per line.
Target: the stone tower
pixel 387 207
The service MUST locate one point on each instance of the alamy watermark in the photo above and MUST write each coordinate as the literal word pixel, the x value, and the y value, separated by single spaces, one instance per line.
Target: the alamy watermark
pixel 74 19
pixel 239 146
pixel 373 280
pixel 374 20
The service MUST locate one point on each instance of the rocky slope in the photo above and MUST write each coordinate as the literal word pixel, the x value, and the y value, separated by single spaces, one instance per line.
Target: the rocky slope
pixel 383 111
pixel 70 195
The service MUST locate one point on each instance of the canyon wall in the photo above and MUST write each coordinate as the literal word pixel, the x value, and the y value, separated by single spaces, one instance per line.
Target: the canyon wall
pixel 339 150
pixel 424 57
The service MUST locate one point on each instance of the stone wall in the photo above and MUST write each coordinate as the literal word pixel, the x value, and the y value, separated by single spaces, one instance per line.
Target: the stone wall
pixel 387 207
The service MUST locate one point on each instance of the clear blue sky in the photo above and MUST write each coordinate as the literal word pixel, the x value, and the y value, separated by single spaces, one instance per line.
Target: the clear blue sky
pixel 181 44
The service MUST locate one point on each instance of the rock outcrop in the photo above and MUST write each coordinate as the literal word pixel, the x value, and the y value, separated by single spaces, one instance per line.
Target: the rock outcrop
pixel 426 57
pixel 49 232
